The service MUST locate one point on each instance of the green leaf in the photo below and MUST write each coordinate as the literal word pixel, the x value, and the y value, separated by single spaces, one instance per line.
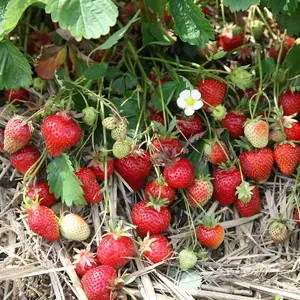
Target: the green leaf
pixel 283 6
pixel 292 60
pixel 152 34
pixel 268 65
pixel 235 5
pixel 168 90
pixel 219 55
pixel 290 22
pixel 11 12
pixel 96 71
pixel 15 71
pixel 190 24
pixel 84 19
pixel 125 82
pixel 157 6
pixel 63 182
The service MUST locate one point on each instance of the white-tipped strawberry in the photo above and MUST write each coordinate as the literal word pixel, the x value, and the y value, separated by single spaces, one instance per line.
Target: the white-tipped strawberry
pixel 257 132
pixel 84 260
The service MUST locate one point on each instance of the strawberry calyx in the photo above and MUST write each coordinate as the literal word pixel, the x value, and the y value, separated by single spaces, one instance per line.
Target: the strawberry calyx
pixel 210 220
pixel 165 132
pixel 117 230
pixel 160 180
pixel 29 204
pixel 156 203
pixel 237 30
pixel 98 159
pixel 146 243
pixel 219 112
pixel 288 121
pixel 84 258
pixel 244 192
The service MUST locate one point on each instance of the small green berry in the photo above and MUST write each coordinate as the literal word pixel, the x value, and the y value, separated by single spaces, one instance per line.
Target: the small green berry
pixel 120 131
pixel 39 84
pixel 89 115
pixel 122 148
pixel 110 123
pixel 187 259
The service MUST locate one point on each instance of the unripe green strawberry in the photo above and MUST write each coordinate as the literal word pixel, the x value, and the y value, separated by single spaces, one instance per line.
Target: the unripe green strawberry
pixel 120 131
pixel 278 231
pixel 257 132
pixel 39 84
pixel 219 112
pixel 110 123
pixel 122 148
pixel 73 227
pixel 89 115
pixel 187 259
pixel 257 28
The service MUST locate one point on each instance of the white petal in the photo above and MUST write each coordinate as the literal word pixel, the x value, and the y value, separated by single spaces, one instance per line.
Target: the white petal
pixel 181 102
pixel 196 95
pixel 185 94
pixel 197 105
pixel 189 111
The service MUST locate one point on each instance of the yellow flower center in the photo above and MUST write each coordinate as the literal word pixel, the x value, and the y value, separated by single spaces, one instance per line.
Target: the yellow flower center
pixel 190 101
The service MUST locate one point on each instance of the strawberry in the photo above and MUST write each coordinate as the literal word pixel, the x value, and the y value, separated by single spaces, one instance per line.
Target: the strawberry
pixel 250 92
pixel 148 217
pixel 244 56
pixel 153 78
pixel 97 165
pixel 17 134
pixel 89 185
pixel 293 133
pixel 37 40
pixel 41 220
pixel 23 159
pixel 278 231
pixel 275 48
pixel 187 259
pixel 12 95
pixel 248 202
pixel 257 164
pixel 189 126
pixel 110 123
pixel 180 173
pixel 257 29
pixel 60 133
pixel 287 157
pixel 134 168
pixel 297 216
pixel 73 227
pixel 257 132
pixel 231 38
pixel 216 152
pixel 290 102
pixel 84 261
pixel 210 233
pixel 159 189
pixel 157 117
pixel 234 123
pixel 120 131
pixel 97 282
pixel 168 19
pixel 156 248
pixel 116 247
pixel 89 115
pixel 166 145
pixel 277 135
pixel 1 139
pixel 212 92
pixel 225 182
pixel 122 148
pixel 41 192
pixel 199 192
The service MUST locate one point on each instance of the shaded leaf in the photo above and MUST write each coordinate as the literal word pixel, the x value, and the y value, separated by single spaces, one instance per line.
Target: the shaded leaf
pixel 219 55
pixel 240 4
pixel 96 71
pixel 290 22
pixel 283 6
pixel 292 60
pixel 152 34
pixel 268 65
pixel 168 90
pixel 125 82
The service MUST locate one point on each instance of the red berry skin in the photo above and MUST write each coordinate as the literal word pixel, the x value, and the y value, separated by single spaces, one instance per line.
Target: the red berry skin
pixel 189 126
pixel 225 183
pixel 157 117
pixel 82 269
pixel 148 219
pixel 90 186
pixel 257 164
pixel 134 169
pixel 290 102
pixel 98 281
pixel 252 207
pixel 274 50
pixel 234 123
pixel 219 154
pixel 41 191
pixel 167 145
pixel 1 139
pixel 99 169
pixel 211 238
pixel 287 157
pixel 60 133
pixel 230 41
pixel 115 251
pixel 180 174
pixel 293 133
pixel 159 250
pixel 297 216
pixel 42 221
pixel 199 193
pixel 12 95
pixel 23 159
pixel 212 92
pixel 160 191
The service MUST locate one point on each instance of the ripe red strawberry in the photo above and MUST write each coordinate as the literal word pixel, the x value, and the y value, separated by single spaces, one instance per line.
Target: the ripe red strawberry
pixel 250 92
pixel 157 117
pixel 156 248
pixel 90 186
pixel 168 19
pixel 234 122
pixel 97 165
pixel 180 173
pixel 257 132
pixel 290 102
pixel 275 49
pixel 189 126
pixel 84 261
pixel 216 152
pixel 17 134
pixel 41 192
pixel 42 220
pixel 257 164
pixel 23 159
pixel 60 133
pixel 159 189
pixel 12 95
pixel 231 38
pixel 210 234
pixel 171 146
pixel 98 282
pixel 248 202
pixel 147 217
pixel 153 78
pixel 212 92
pixel 225 182
pixel 297 216
pixel 244 56
pixel 134 168
pixel 287 157
pixel 199 193
pixel 1 139
pixel 293 133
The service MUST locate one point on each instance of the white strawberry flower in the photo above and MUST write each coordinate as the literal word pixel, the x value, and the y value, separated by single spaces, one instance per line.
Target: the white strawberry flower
pixel 190 101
